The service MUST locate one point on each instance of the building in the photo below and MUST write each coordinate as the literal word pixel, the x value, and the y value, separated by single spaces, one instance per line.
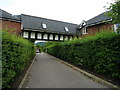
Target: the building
pixel 38 28
pixel 96 24
pixel 46 29
pixel 10 23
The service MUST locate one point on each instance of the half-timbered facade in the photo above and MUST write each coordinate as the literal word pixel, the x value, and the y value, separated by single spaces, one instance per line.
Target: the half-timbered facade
pixel 37 28
pixel 46 29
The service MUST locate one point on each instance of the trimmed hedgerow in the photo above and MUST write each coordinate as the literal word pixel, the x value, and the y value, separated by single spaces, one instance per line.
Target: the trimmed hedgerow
pixel 100 53
pixel 16 53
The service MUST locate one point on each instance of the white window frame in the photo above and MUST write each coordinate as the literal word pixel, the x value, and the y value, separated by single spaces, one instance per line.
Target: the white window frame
pixel 51 37
pixel 84 30
pixel 25 34
pixel 44 25
pixel 116 27
pixel 32 35
pixel 21 26
pixel 45 36
pixel 66 38
pixel 61 37
pixel 56 37
pixel 39 35
pixel 71 38
pixel 66 29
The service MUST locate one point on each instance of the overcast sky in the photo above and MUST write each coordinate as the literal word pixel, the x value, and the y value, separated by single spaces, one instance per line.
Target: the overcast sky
pixel 73 11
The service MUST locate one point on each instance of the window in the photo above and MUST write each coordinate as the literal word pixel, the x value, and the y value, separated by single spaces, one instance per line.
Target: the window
pixel 56 37
pixel 51 37
pixel 71 38
pixel 61 37
pixel 66 38
pixel 116 27
pixel 45 36
pixel 66 29
pixel 39 36
pixel 25 34
pixel 84 30
pixel 32 35
pixel 21 26
pixel 44 25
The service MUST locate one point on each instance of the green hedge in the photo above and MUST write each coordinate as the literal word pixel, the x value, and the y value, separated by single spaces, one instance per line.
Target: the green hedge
pixel 16 53
pixel 100 53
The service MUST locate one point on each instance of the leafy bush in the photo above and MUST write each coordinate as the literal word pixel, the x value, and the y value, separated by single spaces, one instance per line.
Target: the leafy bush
pixel 39 47
pixel 100 53
pixel 16 53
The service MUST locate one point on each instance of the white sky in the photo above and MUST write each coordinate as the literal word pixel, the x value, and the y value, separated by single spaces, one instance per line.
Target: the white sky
pixel 73 11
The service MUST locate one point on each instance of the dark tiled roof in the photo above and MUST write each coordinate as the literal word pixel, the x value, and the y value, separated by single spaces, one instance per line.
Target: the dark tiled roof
pixel 35 23
pixel 98 19
pixel 101 18
pixel 7 16
pixel 4 14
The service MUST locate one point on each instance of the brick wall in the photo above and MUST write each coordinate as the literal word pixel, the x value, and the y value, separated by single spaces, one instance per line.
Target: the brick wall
pixel 11 26
pixel 92 30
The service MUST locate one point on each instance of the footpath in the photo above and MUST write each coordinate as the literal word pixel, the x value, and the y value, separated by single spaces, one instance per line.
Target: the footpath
pixel 48 72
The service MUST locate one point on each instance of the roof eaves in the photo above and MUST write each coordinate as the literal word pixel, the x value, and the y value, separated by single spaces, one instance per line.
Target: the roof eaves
pixel 28 29
pixel 99 22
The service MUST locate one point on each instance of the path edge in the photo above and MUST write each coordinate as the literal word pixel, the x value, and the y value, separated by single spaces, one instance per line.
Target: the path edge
pixel 87 74
pixel 25 76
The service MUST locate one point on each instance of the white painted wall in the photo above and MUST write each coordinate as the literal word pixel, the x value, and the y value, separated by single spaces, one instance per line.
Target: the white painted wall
pixel 39 36
pixel 51 37
pixel 32 35
pixel 45 36
pixel 56 37
pixel 25 34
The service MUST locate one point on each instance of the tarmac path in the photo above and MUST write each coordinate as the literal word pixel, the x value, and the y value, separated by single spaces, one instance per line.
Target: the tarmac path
pixel 47 72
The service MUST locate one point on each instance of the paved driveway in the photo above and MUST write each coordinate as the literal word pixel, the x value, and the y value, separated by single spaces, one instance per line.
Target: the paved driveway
pixel 47 72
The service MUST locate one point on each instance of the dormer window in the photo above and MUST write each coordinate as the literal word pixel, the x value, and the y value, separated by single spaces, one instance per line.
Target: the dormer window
pixel 44 25
pixel 83 23
pixel 66 29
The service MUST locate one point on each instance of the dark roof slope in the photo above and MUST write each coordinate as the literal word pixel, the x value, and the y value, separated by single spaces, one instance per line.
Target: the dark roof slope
pixel 35 23
pixel 4 14
pixel 7 16
pixel 98 19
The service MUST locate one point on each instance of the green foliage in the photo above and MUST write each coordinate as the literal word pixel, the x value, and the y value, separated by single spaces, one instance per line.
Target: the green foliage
pixel 39 47
pixel 114 12
pixel 16 53
pixel 100 53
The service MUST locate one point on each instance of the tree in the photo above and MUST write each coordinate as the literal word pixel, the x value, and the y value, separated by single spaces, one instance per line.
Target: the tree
pixel 114 12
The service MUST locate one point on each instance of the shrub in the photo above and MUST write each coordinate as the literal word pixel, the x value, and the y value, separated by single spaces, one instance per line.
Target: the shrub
pixel 16 53
pixel 100 53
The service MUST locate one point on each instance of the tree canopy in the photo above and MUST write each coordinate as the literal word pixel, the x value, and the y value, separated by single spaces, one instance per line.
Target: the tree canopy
pixel 114 12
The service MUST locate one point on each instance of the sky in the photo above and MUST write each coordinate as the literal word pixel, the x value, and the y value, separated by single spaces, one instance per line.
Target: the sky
pixel 73 11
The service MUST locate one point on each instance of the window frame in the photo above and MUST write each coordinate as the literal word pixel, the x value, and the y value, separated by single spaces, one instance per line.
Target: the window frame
pixel 84 30
pixel 44 26
pixel 66 29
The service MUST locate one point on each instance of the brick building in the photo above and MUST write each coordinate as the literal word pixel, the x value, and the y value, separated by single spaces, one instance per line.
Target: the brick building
pixel 10 23
pixel 95 25
pixel 37 28
pixel 32 27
